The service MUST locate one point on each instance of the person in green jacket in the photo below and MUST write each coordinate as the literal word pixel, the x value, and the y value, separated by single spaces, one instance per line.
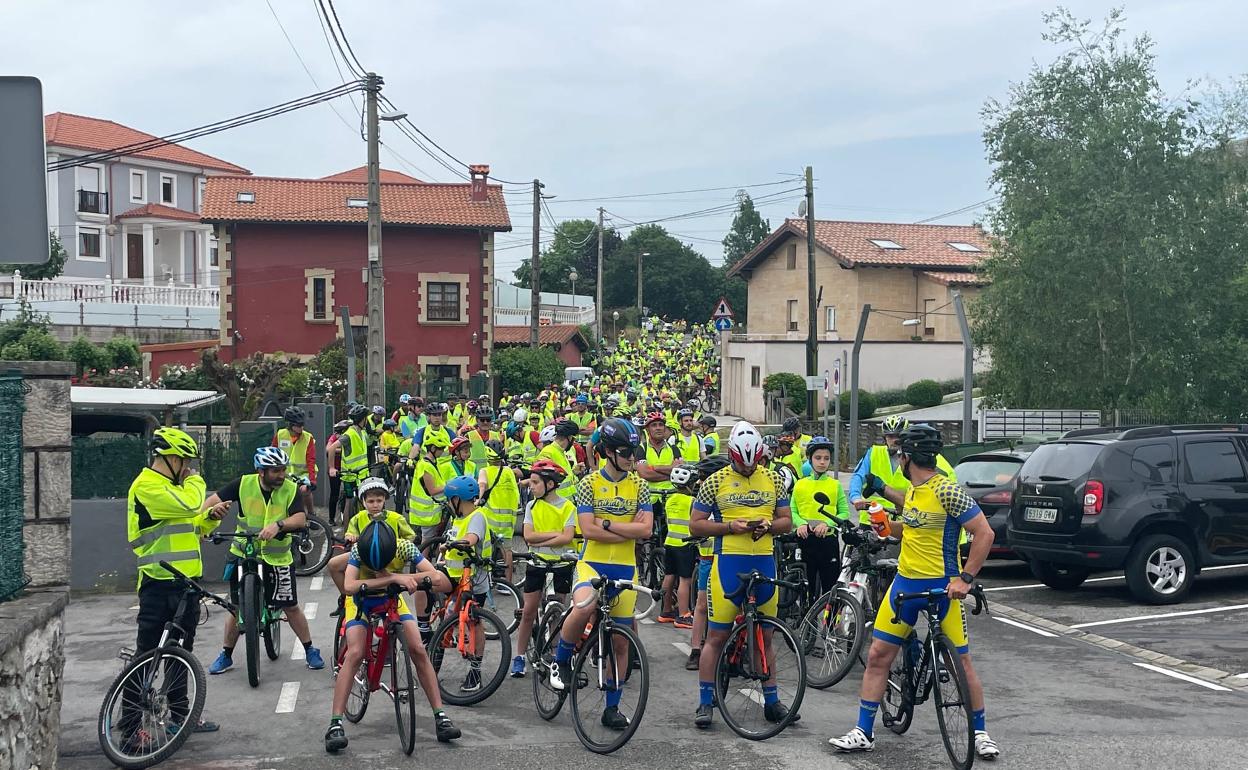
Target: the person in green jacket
pixel 816 524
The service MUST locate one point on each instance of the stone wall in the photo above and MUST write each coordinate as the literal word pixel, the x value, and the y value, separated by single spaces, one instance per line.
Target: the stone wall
pixel 46 471
pixel 32 657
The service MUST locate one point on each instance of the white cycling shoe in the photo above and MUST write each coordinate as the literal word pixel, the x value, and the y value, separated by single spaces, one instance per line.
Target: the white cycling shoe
pixel 985 747
pixel 855 740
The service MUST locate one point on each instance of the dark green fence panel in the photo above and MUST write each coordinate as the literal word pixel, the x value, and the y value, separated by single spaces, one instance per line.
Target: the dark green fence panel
pixel 12 504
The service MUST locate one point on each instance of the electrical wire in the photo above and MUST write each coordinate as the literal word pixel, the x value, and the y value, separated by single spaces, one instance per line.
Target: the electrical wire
pixel 676 192
pixel 962 210
pixel 304 64
pixel 355 69
pixel 362 70
pixel 332 56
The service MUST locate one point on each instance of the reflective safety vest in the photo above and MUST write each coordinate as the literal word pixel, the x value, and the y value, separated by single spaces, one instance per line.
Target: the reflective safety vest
pixel 882 468
pixel 452 468
pixel 582 421
pixel 803 500
pixel 258 514
pixel 711 441
pixel 515 450
pixel 354 451
pixel 164 523
pixel 422 509
pixel 677 511
pixel 374 427
pixel 551 517
pixel 553 453
pixel 296 450
pixel 477 452
pixel 665 456
pixel 690 447
pixel 529 448
pixel 408 425
pixel 503 501
pixel 459 530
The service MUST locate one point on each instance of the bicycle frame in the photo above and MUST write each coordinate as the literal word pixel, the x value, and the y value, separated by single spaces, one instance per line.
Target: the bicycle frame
pixel 922 672
pixel 752 645
pixel 251 566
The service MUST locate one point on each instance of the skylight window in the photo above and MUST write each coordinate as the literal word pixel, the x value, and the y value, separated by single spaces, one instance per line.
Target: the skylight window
pixel 968 248
pixel 885 243
pixel 357 203
pixel 245 197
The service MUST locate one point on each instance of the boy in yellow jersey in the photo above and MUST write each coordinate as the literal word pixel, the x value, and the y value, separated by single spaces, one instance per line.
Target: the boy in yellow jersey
pixel 741 506
pixel 613 506
pixel 680 557
pixel 470 534
pixel 375 562
pixel 706 559
pixel 373 494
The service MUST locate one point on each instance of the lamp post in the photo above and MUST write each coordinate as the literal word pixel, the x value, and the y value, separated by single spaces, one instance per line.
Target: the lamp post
pixel 572 276
pixel 639 257
pixel 615 326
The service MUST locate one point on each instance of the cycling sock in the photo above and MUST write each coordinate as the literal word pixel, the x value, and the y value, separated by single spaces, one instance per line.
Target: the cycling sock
pixel 438 712
pixel 866 716
pixel 307 645
pixel 977 719
pixel 563 651
pixel 229 651
pixel 335 719
pixel 770 694
pixel 614 694
pixel 706 693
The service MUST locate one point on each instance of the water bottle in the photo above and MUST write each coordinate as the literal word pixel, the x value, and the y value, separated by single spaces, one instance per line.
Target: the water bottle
pixel 879 519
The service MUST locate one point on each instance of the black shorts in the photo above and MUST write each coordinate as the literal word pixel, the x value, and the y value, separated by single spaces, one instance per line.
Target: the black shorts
pixel 280 586
pixel 535 579
pixel 680 561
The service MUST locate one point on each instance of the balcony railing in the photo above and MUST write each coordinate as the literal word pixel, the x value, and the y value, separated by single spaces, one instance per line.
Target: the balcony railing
pixel 92 202
pixel 519 316
pixel 16 287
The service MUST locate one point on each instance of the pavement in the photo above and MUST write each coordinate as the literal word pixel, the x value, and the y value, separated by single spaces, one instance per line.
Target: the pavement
pixel 1061 692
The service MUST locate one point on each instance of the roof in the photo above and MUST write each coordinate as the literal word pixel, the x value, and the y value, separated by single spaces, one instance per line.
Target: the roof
pixel 361 175
pixel 84 398
pixel 555 334
pixel 79 132
pixel 922 246
pixel 325 201
pixel 160 212
pixel 162 347
pixel 956 279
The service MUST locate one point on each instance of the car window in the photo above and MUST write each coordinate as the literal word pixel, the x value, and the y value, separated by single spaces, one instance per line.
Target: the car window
pixel 986 472
pixel 1153 462
pixel 1060 462
pixel 1212 462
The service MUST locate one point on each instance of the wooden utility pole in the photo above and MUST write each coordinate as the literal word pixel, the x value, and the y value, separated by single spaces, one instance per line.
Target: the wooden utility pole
pixel 812 341
pixel 376 376
pixel 535 265
pixel 598 293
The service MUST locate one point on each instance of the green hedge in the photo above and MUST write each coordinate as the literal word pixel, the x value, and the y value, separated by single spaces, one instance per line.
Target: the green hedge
pixel 867 404
pixel 923 393
pixel 794 386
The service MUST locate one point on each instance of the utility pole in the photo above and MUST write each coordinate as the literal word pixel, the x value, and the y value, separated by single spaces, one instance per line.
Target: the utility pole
pixel 812 343
pixel 639 256
pixel 376 283
pixel 598 289
pixel 535 265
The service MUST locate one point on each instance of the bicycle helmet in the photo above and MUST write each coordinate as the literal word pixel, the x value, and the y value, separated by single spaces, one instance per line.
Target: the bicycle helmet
pixel 404 398
pixel 435 407
pixel 683 413
pixel 270 457
pixel 791 425
pixel 894 425
pixel 712 465
pixel 459 442
pixel 371 484
pixel 495 451
pixel 683 475
pixel 566 428
pixel 547 435
pixel 521 415
pixel 581 398
pixel 818 442
pixel 654 417
pixel 172 442
pixel 921 443
pixel 613 399
pixel 618 436
pixel 638 420
pixel 377 545
pixel 472 405
pixel 436 438
pixel 379 410
pixel 341 426
pixel 548 470
pixel 357 413
pixel 485 414
pixel 693 403
pixel 293 415
pixel 707 420
pixel 462 488
pixel 745 445
pixel 388 423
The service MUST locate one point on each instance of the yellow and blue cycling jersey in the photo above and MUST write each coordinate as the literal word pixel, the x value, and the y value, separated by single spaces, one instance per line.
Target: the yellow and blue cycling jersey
pixel 933 515
pixel 406 554
pixel 616 501
pixel 727 496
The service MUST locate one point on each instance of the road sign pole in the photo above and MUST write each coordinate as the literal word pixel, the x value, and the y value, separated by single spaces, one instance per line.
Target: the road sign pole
pixel 827 389
pixel 836 394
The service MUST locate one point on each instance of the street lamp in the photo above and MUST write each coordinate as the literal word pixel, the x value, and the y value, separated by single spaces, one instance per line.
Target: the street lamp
pixel 639 256
pixel 572 276
pixel 615 326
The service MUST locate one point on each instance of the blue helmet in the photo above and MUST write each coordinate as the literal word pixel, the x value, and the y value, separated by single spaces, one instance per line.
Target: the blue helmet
pixel 582 399
pixel 462 487
pixel 405 397
pixel 270 457
pixel 377 545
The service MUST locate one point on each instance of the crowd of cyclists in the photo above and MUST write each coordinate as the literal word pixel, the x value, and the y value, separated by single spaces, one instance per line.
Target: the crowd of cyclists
pixel 577 476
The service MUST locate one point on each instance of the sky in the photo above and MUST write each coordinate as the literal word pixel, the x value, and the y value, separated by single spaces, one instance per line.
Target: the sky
pixel 601 100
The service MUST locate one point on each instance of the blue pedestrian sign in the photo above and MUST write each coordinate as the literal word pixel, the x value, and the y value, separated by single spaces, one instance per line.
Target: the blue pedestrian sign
pixel 723 324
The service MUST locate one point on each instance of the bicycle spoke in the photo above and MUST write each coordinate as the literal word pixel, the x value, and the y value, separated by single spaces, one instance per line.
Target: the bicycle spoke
pixel 616 683
pixel 143 718
pixel 745 677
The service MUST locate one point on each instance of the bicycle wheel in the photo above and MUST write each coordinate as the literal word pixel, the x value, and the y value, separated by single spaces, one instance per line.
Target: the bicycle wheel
pixel 742 671
pixel 403 691
pixel 339 638
pixel 471 662
pixel 548 700
pixel 252 596
pixel 953 705
pixel 607 684
pixel 313 545
pixel 154 696
pixel 897 707
pixel 272 633
pixel 507 602
pixel 357 696
pixel 831 635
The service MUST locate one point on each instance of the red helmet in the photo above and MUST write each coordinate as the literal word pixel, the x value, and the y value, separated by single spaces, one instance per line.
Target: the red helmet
pixel 459 442
pixel 549 470
pixel 655 417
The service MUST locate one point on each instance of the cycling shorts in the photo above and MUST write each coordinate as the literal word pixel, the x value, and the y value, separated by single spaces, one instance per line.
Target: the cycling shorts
pixel 952 615
pixel 622 602
pixel 278 583
pixel 680 560
pixel 372 607
pixel 721 610
pixel 535 579
pixel 704 573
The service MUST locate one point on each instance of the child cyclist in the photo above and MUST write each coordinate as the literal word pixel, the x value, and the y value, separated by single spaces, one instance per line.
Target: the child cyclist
pixel 373 493
pixel 680 556
pixel 375 561
pixel 549 526
pixel 706 558
pixel 470 530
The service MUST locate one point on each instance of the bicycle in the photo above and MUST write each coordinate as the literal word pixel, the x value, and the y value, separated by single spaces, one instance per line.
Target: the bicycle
pixel 345 509
pixel 386 649
pixel 541 651
pixel 256 618
pixel 791 605
pixel 743 659
pixel 504 599
pixel 157 693
pixel 462 632
pixel 931 666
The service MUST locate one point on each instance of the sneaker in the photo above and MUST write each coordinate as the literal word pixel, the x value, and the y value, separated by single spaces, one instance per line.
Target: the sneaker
pixel 139 742
pixel 612 719
pixel 222 664
pixel 445 729
pixel 667 617
pixel 335 738
pixel 985 747
pixel 517 667
pixel 338 609
pixel 777 712
pixel 695 658
pixel 313 659
pixel 704 715
pixel 204 726
pixel 684 621
pixel 560 675
pixel 472 682
pixel 854 740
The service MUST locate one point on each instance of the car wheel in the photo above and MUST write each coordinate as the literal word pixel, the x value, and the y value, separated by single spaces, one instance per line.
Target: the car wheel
pixel 1057 576
pixel 1160 569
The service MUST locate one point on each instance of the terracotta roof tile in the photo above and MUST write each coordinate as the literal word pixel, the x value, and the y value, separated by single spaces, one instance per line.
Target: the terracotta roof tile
pixel 63 129
pixel 325 201
pixel 956 279
pixel 361 175
pixel 546 335
pixel 160 212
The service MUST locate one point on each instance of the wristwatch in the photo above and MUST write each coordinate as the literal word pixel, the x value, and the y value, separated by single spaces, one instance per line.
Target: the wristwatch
pixel 967 578
pixel 280 528
pixel 606 524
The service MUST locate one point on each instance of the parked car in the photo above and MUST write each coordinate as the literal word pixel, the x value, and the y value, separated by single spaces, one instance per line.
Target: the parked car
pixel 1159 503
pixel 989 478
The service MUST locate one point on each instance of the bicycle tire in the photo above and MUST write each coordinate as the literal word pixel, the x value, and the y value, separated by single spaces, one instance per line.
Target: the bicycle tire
pixel 252 596
pixel 548 701
pixel 511 597
pixel 336 661
pixel 358 695
pixel 403 691
pixel 833 631
pixel 313 546
pixel 138 669
pixel 272 633
pixel 954 736
pixel 638 678
pixel 723 678
pixel 443 648
pixel 897 705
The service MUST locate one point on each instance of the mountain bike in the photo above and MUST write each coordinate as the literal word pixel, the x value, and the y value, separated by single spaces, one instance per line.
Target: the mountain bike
pixel 346 507
pixel 256 618
pixel 540 655
pixel 505 598
pixel 933 666
pixel 470 646
pixel 158 693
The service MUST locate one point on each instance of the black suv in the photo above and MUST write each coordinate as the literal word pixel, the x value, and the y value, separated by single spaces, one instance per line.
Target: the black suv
pixel 1157 502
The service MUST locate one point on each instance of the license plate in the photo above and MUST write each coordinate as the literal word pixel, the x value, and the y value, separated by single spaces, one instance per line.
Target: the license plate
pixel 1042 515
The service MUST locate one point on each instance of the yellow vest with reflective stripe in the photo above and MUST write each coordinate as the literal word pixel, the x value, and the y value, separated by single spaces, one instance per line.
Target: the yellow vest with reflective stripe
pixel 690 448
pixel 882 468
pixel 548 517
pixel 476 452
pixel 663 457
pixel 504 498
pixel 164 523
pixel 422 509
pixel 713 437
pixel 677 510
pixel 552 452
pixel 357 461
pixel 296 450
pixel 257 514
pixel 459 530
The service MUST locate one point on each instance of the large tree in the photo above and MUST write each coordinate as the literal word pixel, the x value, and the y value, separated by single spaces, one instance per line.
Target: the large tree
pixel 747 231
pixel 575 246
pixel 678 282
pixel 1120 233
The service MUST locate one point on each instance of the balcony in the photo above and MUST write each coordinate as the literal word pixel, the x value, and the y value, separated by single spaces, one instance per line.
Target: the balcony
pixel 92 202
pixel 73 302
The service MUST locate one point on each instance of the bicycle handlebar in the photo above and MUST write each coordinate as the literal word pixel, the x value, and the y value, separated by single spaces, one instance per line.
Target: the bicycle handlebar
pixel 936 594
pixel 600 582
pixel 199 590
pixel 565 559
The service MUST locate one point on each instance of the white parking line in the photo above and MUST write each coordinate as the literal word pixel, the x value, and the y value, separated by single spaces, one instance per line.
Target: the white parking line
pixel 1161 616
pixel 1111 577
pixel 1184 677
pixel 1025 627
pixel 317 583
pixel 309 610
pixel 1240 676
pixel 297 652
pixel 286 701
pixel 684 648
pixel 752 695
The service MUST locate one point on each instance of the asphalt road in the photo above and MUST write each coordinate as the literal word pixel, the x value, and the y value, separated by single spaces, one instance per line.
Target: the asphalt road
pixel 1053 700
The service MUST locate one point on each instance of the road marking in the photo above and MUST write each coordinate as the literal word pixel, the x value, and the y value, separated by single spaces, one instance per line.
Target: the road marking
pixel 684 648
pixel 1161 616
pixel 1025 627
pixel 309 610
pixel 1184 677
pixel 1241 676
pixel 135 607
pixel 754 696
pixel 297 652
pixel 1111 577
pixel 286 701
pixel 317 583
pixel 647 621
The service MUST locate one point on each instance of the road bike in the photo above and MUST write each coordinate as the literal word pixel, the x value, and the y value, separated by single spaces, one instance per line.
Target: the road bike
pixel 256 619
pixel 470 646
pixel 147 710
pixel 933 666
pixel 541 652
pixel 505 598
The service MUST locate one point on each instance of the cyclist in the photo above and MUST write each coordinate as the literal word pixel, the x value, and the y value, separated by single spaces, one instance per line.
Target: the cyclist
pixel 820 547
pixel 373 493
pixel 470 528
pixel 388 445
pixel 688 443
pixel 792 427
pixel 376 418
pixel 706 557
pixel 585 421
pixel 613 507
pixel 679 556
pixel 556 440
pixel 481 431
pixel 500 498
pixel 423 511
pixel 741 506
pixel 165 518
pixel 333 458
pixel 269 504
pixel 352 448
pixel 435 414
pixel 300 446
pixel 710 438
pixel 375 562
pixel 884 462
pixel 549 526
pixel 412 416
pixel 933 509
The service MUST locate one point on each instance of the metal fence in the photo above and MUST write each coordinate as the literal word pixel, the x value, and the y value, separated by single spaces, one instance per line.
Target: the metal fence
pixel 12 488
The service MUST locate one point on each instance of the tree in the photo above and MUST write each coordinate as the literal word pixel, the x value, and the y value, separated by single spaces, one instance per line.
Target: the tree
pixel 575 246
pixel 245 383
pixel 50 269
pixel 748 230
pixel 1118 237
pixel 523 369
pixel 678 281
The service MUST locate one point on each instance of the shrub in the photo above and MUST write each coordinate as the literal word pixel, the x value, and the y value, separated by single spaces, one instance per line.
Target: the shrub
pixel 891 397
pixel 794 386
pixel 123 352
pixel 523 369
pixel 86 354
pixel 42 346
pixel 867 404
pixel 923 393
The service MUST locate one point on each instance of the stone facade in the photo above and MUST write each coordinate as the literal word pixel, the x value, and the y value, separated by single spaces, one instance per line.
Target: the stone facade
pixel 46 472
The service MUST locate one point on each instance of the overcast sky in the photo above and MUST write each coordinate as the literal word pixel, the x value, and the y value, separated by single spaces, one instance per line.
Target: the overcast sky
pixel 602 99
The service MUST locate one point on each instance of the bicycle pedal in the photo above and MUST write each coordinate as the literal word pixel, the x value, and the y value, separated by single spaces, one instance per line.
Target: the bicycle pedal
pixel 125 654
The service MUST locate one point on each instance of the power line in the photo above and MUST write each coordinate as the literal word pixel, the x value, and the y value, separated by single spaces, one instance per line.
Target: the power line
pixel 962 210
pixel 675 192
pixel 340 38
pixel 332 56
pixel 304 64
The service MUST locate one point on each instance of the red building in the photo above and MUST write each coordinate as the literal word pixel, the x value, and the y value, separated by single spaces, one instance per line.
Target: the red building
pixel 293 251
pixel 565 339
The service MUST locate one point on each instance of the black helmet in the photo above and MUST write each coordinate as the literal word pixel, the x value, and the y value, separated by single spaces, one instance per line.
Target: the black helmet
pixel 819 442
pixel 566 428
pixel 617 434
pixel 293 415
pixel 485 413
pixel 377 545
pixel 707 420
pixel 921 442
pixel 435 407
pixel 711 465
pixel 357 413
pixel 791 425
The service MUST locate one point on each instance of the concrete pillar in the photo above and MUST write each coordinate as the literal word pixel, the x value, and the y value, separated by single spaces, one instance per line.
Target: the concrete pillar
pixel 149 254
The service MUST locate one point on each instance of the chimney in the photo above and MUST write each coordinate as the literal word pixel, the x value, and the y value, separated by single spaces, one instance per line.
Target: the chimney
pixel 479 173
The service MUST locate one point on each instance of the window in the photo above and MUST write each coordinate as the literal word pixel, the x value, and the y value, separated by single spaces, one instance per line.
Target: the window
pixel 203 188
pixel 792 257
pixel 138 187
pixel 214 254
pixel 756 376
pixel 443 302
pixel 91 196
pixel 885 243
pixel 829 320
pixel 968 248
pixel 1152 462
pixel 318 298
pixel 245 197
pixel 442 380
pixel 929 320
pixel 1213 462
pixel 792 315
pixel 89 246
pixel 357 203
pixel 168 190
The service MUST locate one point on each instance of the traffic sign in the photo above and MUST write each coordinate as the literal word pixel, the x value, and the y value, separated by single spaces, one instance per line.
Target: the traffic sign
pixel 815 382
pixel 723 309
pixel 723 324
pixel 836 377
pixel 827 382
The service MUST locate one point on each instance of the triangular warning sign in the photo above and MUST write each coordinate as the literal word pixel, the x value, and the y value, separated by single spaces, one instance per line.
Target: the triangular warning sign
pixel 723 309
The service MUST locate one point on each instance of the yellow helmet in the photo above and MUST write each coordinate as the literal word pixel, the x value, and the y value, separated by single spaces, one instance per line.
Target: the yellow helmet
pixel 171 441
pixel 436 438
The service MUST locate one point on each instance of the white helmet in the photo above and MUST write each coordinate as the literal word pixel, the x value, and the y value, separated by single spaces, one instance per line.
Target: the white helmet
pixel 370 484
pixel 788 479
pixel 683 475
pixel 745 445
pixel 547 435
pixel 521 415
